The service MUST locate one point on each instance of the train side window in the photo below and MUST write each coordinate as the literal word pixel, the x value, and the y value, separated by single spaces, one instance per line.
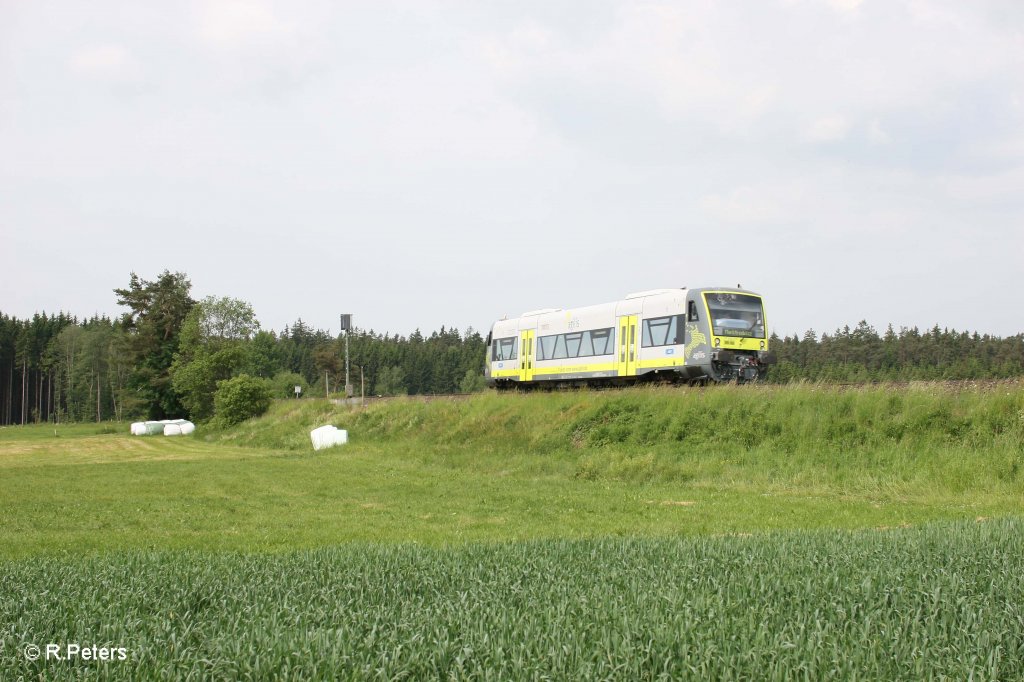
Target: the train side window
pixel 572 344
pixel 546 348
pixel 586 345
pixel 604 341
pixel 692 311
pixel 680 329
pixel 560 347
pixel 661 331
pixel 504 349
pixel 654 332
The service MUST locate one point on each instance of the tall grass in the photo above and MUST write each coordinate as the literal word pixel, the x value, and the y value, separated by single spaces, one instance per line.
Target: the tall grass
pixel 938 602
pixel 879 440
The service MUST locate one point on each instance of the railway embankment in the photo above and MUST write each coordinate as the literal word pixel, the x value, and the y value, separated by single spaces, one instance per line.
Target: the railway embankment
pixel 885 440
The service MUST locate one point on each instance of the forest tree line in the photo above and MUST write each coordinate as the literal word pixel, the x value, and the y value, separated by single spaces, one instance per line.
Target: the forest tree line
pixel 165 356
pixel 862 354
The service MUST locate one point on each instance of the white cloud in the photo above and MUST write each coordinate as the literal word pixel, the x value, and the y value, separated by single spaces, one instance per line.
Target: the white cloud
pixel 999 188
pixel 110 62
pixel 752 204
pixel 828 129
pixel 232 24
pixel 842 6
pixel 651 53
pixel 845 5
pixel 876 134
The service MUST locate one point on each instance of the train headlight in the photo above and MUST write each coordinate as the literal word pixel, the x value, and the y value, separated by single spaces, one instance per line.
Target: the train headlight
pixel 762 345
pixel 718 342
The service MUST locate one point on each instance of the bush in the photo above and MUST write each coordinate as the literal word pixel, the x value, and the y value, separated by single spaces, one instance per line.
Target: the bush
pixel 240 398
pixel 472 382
pixel 283 384
pixel 391 381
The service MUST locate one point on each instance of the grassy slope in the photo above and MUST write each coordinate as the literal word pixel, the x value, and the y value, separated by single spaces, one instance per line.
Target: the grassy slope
pixel 499 467
pixel 925 444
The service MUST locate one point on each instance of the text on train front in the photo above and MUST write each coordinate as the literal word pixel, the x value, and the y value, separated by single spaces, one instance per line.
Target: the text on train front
pixel 735 315
pixel 739 334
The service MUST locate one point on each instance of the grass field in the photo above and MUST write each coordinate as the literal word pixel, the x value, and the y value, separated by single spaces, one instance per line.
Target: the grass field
pixel 943 601
pixel 625 515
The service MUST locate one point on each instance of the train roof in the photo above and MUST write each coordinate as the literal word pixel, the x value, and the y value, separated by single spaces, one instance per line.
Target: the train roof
pixel 628 297
pixel 652 292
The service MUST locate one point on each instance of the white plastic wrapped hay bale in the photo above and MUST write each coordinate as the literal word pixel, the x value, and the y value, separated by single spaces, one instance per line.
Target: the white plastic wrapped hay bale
pixel 154 428
pixel 172 430
pixel 187 428
pixel 328 436
pixel 139 429
pixel 322 437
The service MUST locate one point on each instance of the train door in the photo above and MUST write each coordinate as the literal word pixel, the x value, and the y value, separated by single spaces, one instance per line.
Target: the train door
pixel 526 355
pixel 627 345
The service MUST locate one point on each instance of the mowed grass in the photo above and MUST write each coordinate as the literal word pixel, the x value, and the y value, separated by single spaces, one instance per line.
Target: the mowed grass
pixel 650 462
pixel 943 601
pixel 118 492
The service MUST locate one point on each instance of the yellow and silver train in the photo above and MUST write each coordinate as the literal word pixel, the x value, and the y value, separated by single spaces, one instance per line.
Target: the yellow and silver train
pixel 691 335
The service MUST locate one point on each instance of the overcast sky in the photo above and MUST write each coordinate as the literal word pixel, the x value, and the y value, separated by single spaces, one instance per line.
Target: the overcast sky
pixel 421 164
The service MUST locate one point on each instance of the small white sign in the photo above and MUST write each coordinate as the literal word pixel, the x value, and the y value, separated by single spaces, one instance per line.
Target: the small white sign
pixel 298 390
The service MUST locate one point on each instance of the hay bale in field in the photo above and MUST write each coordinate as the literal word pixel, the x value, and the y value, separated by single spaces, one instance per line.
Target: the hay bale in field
pixel 172 430
pixel 322 437
pixel 139 429
pixel 154 428
pixel 187 428
pixel 327 437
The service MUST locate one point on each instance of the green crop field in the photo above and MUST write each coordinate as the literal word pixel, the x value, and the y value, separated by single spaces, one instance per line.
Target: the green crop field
pixel 727 533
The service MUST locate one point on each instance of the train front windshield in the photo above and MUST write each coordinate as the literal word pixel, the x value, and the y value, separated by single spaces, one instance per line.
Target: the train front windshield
pixel 736 315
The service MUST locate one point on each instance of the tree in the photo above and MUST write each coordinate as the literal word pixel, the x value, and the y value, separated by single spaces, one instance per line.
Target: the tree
pixel 95 357
pixel 264 355
pixel 195 380
pixel 241 398
pixel 225 319
pixel 391 381
pixel 283 384
pixel 472 382
pixel 122 398
pixel 157 312
pixel 65 348
pixel 328 361
pixel 213 346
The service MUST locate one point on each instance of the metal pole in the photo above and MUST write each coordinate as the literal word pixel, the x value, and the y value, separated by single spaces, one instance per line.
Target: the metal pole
pixel 348 384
